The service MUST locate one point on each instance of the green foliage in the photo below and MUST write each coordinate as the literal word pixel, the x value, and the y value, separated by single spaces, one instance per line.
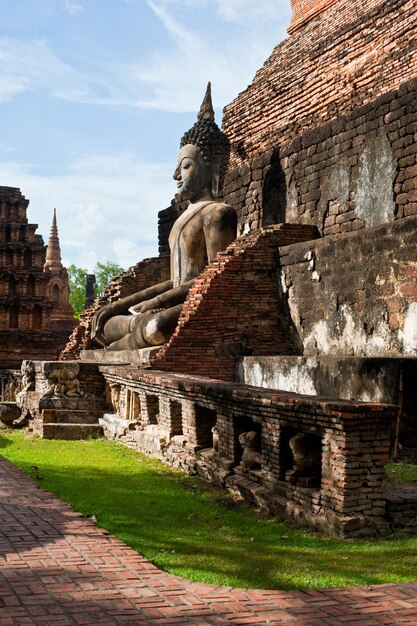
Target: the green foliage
pixel 195 531
pixel 104 272
pixel 78 279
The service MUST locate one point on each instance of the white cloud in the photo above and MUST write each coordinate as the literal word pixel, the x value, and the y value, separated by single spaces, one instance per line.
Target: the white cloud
pixel 107 206
pixel 73 8
pixel 170 80
pixel 31 65
pixel 248 10
pixel 237 11
pixel 177 78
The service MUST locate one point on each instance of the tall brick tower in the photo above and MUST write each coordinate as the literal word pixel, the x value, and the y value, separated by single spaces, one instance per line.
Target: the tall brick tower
pixel 35 316
pixel 305 10
pixel 58 292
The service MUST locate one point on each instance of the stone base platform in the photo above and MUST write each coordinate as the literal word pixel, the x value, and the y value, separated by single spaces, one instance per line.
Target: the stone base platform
pixel 119 357
pixel 70 432
pixel 63 399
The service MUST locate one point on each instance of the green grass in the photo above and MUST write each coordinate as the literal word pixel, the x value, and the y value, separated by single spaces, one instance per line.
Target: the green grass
pixel 188 529
pixel 402 472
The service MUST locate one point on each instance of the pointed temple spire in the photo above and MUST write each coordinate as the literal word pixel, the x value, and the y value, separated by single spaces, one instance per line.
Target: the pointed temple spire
pixel 206 111
pixel 53 251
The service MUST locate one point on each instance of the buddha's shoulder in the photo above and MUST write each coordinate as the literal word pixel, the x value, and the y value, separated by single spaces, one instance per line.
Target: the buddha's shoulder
pixel 218 208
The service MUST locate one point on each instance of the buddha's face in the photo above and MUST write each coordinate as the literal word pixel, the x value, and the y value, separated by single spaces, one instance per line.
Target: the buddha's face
pixel 191 174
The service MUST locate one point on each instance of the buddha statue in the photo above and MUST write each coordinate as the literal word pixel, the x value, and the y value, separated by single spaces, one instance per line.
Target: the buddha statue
pixel 207 226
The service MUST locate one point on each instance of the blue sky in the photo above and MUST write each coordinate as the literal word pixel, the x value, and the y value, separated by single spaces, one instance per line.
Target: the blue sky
pixel 95 96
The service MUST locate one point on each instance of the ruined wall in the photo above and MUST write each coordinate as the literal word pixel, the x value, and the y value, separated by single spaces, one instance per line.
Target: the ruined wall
pixel 305 10
pixel 144 274
pixel 354 172
pixel 234 308
pixel 355 294
pixel 331 111
pixel 28 324
pixel 345 58
pixel 198 424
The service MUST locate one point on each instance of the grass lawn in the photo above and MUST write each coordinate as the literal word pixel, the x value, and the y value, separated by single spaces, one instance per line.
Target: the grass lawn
pixel 189 529
pixel 401 472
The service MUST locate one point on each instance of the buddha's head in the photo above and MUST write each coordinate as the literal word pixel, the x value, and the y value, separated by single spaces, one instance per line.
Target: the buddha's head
pixel 203 155
pixel 192 174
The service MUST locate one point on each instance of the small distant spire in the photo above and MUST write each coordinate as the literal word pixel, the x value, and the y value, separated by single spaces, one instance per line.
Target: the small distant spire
pixel 53 251
pixel 206 111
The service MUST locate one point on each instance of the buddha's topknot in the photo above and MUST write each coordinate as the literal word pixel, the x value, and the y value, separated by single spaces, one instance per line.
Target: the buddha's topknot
pixel 207 136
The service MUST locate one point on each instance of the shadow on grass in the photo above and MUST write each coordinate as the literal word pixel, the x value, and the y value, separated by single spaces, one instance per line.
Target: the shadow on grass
pixel 4 441
pixel 180 526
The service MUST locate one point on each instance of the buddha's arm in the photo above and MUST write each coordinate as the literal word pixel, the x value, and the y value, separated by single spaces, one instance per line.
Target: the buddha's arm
pixel 220 227
pixel 122 306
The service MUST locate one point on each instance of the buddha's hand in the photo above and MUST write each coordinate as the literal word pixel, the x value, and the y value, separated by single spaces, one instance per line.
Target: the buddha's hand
pixel 148 306
pixel 137 309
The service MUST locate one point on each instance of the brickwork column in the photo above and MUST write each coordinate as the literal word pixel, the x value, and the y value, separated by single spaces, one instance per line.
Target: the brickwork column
pixel 353 461
pixel 226 440
pixel 189 423
pixel 164 419
pixel 149 404
pixel 271 445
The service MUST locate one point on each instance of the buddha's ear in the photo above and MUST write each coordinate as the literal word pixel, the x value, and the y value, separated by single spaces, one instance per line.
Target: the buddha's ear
pixel 215 176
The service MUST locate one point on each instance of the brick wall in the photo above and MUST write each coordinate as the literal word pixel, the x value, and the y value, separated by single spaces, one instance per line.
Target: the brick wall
pixel 326 70
pixel 233 308
pixel 353 172
pixel 355 294
pixel 303 11
pixel 334 98
pixel 352 443
pixel 18 345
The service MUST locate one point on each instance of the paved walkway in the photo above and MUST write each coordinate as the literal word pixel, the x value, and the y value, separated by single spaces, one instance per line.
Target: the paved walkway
pixel 57 568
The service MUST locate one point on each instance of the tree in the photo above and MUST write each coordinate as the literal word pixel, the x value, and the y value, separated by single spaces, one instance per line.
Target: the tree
pixel 78 280
pixel 104 273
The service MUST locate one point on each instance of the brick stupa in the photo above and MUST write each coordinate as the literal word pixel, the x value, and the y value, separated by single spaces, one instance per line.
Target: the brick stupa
pixel 35 315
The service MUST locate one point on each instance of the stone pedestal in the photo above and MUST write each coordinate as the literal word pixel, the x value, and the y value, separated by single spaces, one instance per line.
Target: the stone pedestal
pixel 64 399
pixel 119 357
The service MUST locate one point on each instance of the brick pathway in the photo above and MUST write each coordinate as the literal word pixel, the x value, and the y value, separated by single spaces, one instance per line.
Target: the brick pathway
pixel 57 568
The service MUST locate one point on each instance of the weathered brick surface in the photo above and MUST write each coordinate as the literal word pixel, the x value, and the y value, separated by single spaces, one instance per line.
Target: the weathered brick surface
pixel 58 568
pixel 354 294
pixel 32 323
pixel 327 119
pixel 360 51
pixel 353 437
pixel 233 308
pixel 305 10
pixel 355 171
